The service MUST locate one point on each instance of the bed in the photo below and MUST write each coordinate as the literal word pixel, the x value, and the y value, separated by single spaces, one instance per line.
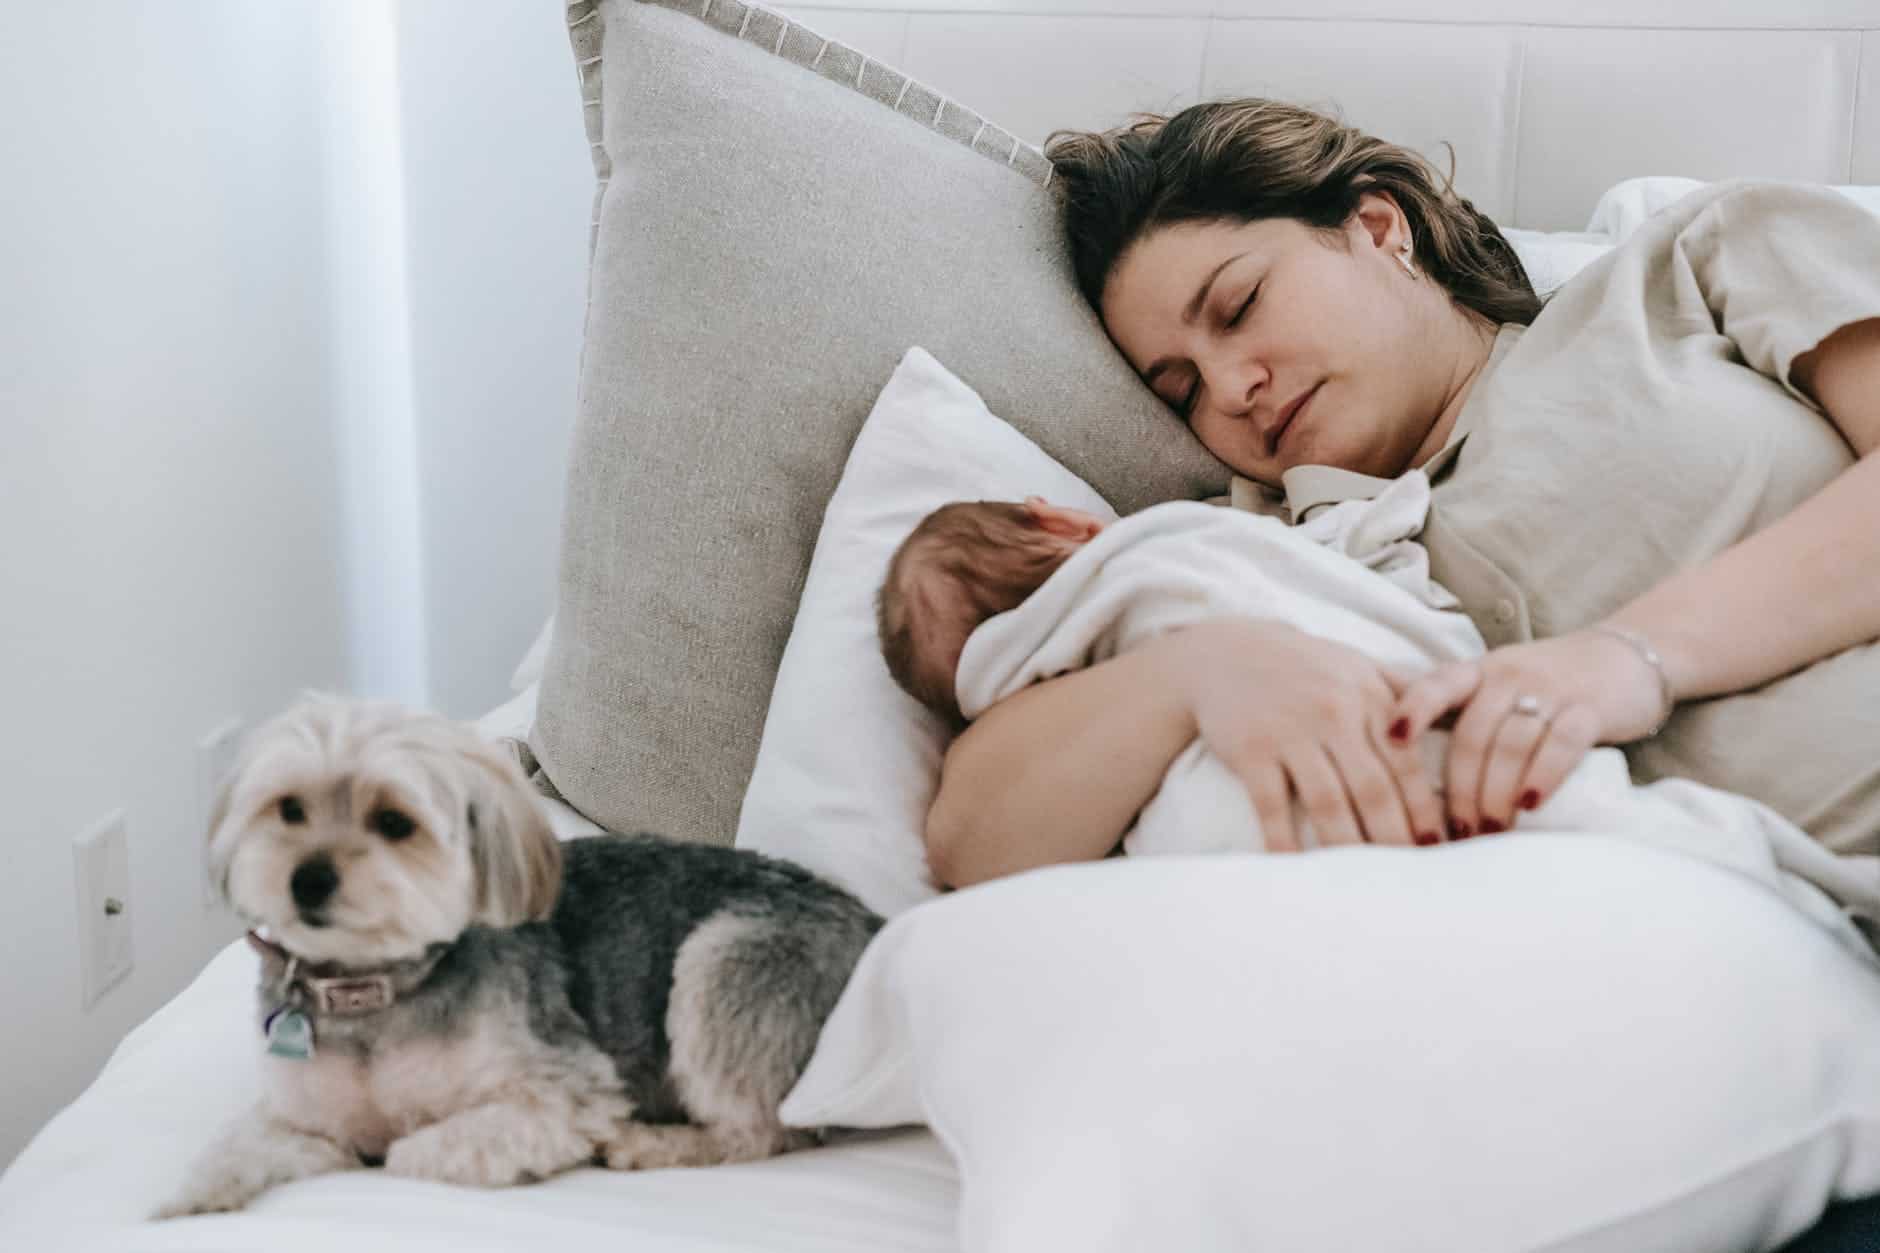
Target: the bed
pixel 1547 106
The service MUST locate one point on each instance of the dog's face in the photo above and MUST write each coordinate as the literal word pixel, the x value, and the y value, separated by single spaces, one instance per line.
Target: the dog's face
pixel 361 833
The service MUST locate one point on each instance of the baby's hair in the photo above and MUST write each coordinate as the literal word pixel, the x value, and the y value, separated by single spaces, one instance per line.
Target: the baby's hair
pixel 966 562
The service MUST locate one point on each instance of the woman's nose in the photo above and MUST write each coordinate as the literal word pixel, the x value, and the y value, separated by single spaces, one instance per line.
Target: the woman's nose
pixel 1235 386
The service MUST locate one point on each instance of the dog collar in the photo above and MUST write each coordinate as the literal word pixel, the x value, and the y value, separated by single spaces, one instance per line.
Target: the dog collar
pixel 349 995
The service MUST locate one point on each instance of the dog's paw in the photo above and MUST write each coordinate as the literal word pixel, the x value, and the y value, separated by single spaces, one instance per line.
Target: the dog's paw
pixel 218 1193
pixel 445 1154
pixel 252 1156
pixel 645 1146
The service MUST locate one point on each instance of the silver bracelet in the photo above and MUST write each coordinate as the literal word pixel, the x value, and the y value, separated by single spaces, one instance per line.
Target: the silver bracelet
pixel 1642 646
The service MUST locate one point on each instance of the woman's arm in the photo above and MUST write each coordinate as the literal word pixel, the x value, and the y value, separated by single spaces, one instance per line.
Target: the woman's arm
pixel 1802 588
pixel 1059 771
pixel 1799 590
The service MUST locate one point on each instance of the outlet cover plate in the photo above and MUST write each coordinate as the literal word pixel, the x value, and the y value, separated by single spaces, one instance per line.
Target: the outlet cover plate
pixel 102 867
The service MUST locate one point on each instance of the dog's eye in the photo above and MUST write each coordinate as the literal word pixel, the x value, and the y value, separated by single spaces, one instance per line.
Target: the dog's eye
pixel 292 811
pixel 392 825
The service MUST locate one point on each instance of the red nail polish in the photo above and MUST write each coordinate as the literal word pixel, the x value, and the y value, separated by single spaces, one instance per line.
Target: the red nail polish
pixel 1426 838
pixel 1400 730
pixel 1459 830
pixel 1530 799
pixel 1491 826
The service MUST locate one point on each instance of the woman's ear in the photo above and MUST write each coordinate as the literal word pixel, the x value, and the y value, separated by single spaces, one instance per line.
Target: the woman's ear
pixel 1379 221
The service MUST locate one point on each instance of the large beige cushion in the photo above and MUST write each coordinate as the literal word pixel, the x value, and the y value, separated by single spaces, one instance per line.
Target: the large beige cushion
pixel 779 219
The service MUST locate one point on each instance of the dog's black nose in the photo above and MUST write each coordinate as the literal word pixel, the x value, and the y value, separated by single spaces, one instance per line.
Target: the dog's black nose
pixel 314 881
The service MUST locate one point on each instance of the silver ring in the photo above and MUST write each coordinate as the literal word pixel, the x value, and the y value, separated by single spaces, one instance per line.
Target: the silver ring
pixel 1529 707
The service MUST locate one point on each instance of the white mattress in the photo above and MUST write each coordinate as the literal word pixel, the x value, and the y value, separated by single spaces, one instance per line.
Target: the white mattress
pixel 119 1150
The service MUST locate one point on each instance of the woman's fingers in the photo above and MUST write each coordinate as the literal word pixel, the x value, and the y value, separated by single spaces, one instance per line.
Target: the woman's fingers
pixel 1398 680
pixel 1322 796
pixel 1506 766
pixel 1430 697
pixel 1373 795
pixel 1272 801
pixel 1570 736
pixel 1357 790
pixel 1299 719
pixel 1423 809
pixel 1521 726
pixel 1469 747
pixel 1394 798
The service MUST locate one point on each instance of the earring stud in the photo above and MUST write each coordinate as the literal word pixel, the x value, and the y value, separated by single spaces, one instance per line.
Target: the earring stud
pixel 1403 258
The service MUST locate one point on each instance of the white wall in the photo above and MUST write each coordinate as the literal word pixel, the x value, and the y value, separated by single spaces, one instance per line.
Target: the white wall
pixel 498 186
pixel 290 310
pixel 369 361
pixel 169 526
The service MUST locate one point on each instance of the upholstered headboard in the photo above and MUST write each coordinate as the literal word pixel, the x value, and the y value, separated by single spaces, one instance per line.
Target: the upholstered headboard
pixel 1546 102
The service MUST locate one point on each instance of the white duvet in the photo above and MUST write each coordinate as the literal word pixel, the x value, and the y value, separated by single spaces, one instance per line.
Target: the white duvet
pixel 1353 573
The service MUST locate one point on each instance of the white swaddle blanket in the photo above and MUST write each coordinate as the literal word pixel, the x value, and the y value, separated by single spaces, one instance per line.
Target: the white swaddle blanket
pixel 1353 573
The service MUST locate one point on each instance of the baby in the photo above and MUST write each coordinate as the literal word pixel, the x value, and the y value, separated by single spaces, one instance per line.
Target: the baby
pixel 984 598
pixel 967 562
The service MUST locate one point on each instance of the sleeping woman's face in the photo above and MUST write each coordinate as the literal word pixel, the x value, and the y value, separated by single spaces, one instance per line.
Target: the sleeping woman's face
pixel 1280 348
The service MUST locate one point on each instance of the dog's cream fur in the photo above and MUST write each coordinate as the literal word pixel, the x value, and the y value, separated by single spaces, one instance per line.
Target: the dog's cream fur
pixel 345 762
pixel 483 1070
pixel 489 1107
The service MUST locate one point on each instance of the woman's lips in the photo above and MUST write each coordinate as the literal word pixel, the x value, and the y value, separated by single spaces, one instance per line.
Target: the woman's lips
pixel 1287 427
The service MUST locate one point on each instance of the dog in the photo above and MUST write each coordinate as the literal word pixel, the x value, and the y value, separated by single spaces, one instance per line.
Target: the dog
pixel 450 993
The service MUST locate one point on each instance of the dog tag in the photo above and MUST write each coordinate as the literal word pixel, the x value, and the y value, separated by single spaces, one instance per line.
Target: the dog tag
pixel 290 1034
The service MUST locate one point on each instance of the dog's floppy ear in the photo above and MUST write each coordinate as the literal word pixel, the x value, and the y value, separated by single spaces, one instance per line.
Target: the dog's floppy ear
pixel 218 854
pixel 514 851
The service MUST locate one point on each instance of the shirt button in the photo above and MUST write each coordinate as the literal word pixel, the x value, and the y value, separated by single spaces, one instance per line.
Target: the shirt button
pixel 1504 612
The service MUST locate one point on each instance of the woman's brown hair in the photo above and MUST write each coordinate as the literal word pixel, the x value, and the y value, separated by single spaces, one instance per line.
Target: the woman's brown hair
pixel 1253 159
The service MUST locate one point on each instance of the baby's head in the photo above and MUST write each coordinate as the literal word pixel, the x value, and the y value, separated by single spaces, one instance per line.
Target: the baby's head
pixel 964 563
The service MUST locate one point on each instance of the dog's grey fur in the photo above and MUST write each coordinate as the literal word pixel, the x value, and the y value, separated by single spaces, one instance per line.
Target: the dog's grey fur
pixel 656 1017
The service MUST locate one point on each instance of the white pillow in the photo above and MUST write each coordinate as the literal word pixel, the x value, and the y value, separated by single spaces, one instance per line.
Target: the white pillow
pixel 529 670
pixel 1565 1043
pixel 1624 206
pixel 849 763
pixel 1553 257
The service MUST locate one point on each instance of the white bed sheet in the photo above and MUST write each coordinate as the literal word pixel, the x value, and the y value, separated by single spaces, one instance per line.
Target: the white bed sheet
pixel 117 1152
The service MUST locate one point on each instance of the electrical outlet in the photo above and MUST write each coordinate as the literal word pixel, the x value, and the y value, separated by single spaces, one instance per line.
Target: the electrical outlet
pixel 215 758
pixel 101 860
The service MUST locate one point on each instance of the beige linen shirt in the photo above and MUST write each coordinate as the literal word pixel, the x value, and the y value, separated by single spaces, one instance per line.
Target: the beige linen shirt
pixel 1644 423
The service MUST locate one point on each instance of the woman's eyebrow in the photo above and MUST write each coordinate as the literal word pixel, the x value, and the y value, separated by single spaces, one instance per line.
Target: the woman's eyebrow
pixel 1189 314
pixel 1193 310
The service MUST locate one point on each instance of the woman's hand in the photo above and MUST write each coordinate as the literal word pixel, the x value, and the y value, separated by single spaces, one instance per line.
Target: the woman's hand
pixel 1529 714
pixel 1293 715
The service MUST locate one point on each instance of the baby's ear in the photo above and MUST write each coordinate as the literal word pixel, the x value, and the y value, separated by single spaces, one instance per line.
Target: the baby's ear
pixel 1063 522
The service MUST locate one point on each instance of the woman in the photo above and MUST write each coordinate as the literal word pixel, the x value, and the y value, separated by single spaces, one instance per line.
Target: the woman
pixel 1655 496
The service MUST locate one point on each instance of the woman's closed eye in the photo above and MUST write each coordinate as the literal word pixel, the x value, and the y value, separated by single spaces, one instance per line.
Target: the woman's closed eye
pixel 1241 312
pixel 1186 406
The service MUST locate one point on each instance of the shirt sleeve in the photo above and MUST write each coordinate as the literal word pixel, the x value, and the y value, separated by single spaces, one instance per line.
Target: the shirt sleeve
pixel 1781 266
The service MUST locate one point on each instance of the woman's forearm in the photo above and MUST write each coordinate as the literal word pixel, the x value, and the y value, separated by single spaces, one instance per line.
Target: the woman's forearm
pixel 1803 588
pixel 1799 590
pixel 1057 772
